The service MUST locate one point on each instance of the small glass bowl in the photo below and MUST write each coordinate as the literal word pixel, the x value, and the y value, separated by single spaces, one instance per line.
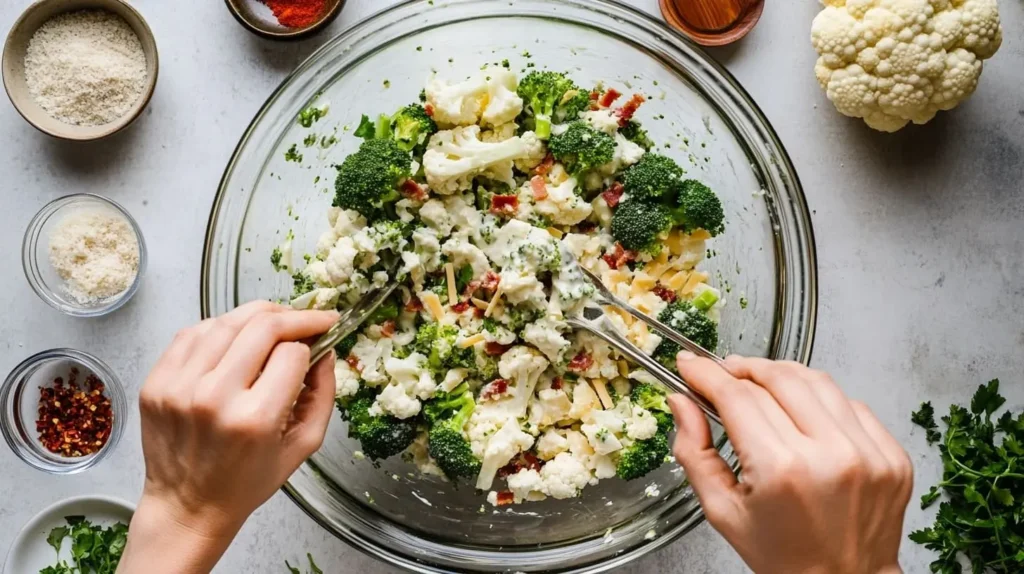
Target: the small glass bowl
pixel 35 256
pixel 19 399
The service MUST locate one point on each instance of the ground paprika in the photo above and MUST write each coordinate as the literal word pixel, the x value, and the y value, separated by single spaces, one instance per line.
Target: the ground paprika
pixel 296 13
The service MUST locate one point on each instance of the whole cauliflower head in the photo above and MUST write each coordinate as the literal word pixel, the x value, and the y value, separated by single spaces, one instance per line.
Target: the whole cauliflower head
pixel 891 62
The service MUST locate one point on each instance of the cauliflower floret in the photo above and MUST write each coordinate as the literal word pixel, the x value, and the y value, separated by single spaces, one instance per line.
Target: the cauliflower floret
pixel 461 252
pixel 419 449
pixel 435 214
pixel 523 366
pixel 626 154
pixel 552 406
pixel 550 444
pixel 454 378
pixel 455 156
pixel 457 104
pixel 562 205
pixel 602 439
pixel 526 484
pixel 412 374
pixel 522 288
pixel 602 120
pixel 340 263
pixel 345 222
pixel 536 151
pixel 370 354
pixel 584 400
pixel 546 335
pixel 393 400
pixel 324 298
pixel 642 425
pixel 509 441
pixel 464 214
pixel 503 104
pixel 565 476
pixel 404 207
pixel 346 379
pixel 427 245
pixel 902 61
pixel 602 465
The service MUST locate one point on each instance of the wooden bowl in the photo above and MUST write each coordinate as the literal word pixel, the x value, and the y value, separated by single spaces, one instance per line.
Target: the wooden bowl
pixel 258 19
pixel 14 66
pixel 749 12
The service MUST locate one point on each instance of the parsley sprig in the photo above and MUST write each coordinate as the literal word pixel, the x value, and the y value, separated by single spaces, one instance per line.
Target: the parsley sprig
pixel 94 549
pixel 982 516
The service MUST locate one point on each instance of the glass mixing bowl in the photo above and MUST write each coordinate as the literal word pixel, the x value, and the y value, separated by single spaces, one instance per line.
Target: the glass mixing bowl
pixel 766 258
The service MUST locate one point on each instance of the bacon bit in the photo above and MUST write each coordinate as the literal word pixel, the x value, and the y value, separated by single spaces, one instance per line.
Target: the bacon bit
pixel 505 498
pixel 581 362
pixel 665 293
pixel 595 95
pixel 556 384
pixel 414 305
pixel 470 289
pixel 494 349
pixel 522 461
pixel 613 195
pixel 504 204
pixel 429 109
pixel 387 328
pixel 609 98
pixel 627 110
pixel 478 312
pixel 491 281
pixel 540 189
pixel 619 257
pixel 586 226
pixel 353 362
pixel 413 190
pixel 545 166
pixel 460 307
pixel 493 390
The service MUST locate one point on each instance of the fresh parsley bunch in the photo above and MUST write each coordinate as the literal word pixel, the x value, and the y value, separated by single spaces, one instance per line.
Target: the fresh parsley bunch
pixel 982 516
pixel 94 549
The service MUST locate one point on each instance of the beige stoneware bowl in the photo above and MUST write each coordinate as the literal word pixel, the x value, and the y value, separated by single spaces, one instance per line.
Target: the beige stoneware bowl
pixel 14 66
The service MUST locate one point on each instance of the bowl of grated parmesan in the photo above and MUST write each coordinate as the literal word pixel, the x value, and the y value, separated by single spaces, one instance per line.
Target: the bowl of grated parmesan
pixel 84 255
pixel 80 69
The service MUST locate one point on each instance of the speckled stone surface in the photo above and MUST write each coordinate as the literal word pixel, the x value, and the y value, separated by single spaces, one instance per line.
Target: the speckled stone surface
pixel 920 242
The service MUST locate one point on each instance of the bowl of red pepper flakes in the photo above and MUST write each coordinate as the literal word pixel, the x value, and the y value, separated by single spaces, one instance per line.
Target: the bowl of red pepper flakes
pixel 62 411
pixel 285 19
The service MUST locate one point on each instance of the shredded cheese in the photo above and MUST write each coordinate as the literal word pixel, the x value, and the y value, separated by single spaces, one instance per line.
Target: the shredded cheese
pixel 602 393
pixel 642 283
pixel 479 303
pixel 675 242
pixel 453 294
pixel 96 253
pixel 696 278
pixel 555 232
pixel 676 281
pixel 470 341
pixel 433 304
pixel 493 303
pixel 700 235
pixel 623 368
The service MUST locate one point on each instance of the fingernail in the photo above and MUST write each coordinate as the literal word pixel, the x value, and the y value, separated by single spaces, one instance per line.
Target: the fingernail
pixel 685 356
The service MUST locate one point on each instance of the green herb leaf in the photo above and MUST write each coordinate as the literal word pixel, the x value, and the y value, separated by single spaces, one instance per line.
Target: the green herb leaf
pixel 291 569
pixel 930 497
pixel 925 418
pixel 56 537
pixel 987 400
pixel 313 568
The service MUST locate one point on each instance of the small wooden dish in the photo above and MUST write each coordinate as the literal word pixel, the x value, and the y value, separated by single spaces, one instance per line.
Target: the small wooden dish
pixel 14 66
pixel 258 19
pixel 740 17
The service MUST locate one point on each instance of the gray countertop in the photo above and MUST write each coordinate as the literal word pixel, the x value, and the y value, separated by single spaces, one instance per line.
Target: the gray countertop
pixel 920 242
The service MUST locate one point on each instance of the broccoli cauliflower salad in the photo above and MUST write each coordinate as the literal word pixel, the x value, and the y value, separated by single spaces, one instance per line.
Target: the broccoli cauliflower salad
pixel 470 371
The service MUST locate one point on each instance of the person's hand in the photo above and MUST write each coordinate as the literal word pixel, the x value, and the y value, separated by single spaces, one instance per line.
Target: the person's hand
pixel 823 485
pixel 229 412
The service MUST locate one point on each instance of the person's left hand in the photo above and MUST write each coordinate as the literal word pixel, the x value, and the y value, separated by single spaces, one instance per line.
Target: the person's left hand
pixel 229 412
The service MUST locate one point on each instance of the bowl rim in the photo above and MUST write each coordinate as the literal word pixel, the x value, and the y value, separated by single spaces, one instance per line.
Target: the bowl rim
pixel 30 243
pixel 295 34
pixel 27 454
pixel 674 42
pixel 95 132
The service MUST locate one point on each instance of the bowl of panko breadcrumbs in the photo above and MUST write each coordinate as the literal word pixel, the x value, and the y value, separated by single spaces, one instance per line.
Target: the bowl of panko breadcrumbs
pixel 80 69
pixel 84 255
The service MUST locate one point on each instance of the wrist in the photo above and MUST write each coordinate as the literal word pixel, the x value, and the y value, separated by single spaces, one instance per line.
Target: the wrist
pixel 166 537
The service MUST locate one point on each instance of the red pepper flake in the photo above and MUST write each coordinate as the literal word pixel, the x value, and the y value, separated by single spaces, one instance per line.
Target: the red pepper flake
pixel 495 349
pixel 609 97
pixel 387 328
pixel 613 194
pixel 581 362
pixel 74 420
pixel 540 189
pixel 493 390
pixel 556 384
pixel 460 307
pixel 545 165
pixel 414 191
pixel 665 293
pixel 429 109
pixel 353 362
pixel 627 110
pixel 505 498
pixel 414 305
pixel 504 204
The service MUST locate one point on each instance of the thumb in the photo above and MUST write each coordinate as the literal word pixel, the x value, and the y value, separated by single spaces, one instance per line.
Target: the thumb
pixel 711 478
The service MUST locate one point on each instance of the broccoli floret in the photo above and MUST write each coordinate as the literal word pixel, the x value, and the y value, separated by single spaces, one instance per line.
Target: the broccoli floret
pixel 573 103
pixel 411 126
pixel 380 436
pixel 447 414
pixel 581 148
pixel 697 207
pixel 515 318
pixel 301 284
pixel 653 399
pixel 486 367
pixel 369 130
pixel 692 323
pixel 344 347
pixel 635 133
pixel 652 178
pixel 368 179
pixel 543 92
pixel 642 457
pixel 640 226
pixel 387 311
pixel 275 259
pixel 437 342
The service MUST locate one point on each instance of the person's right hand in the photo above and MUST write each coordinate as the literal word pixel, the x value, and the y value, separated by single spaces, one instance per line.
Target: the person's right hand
pixel 823 486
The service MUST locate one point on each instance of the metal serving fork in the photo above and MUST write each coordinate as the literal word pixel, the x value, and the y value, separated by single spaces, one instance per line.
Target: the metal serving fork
pixel 353 317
